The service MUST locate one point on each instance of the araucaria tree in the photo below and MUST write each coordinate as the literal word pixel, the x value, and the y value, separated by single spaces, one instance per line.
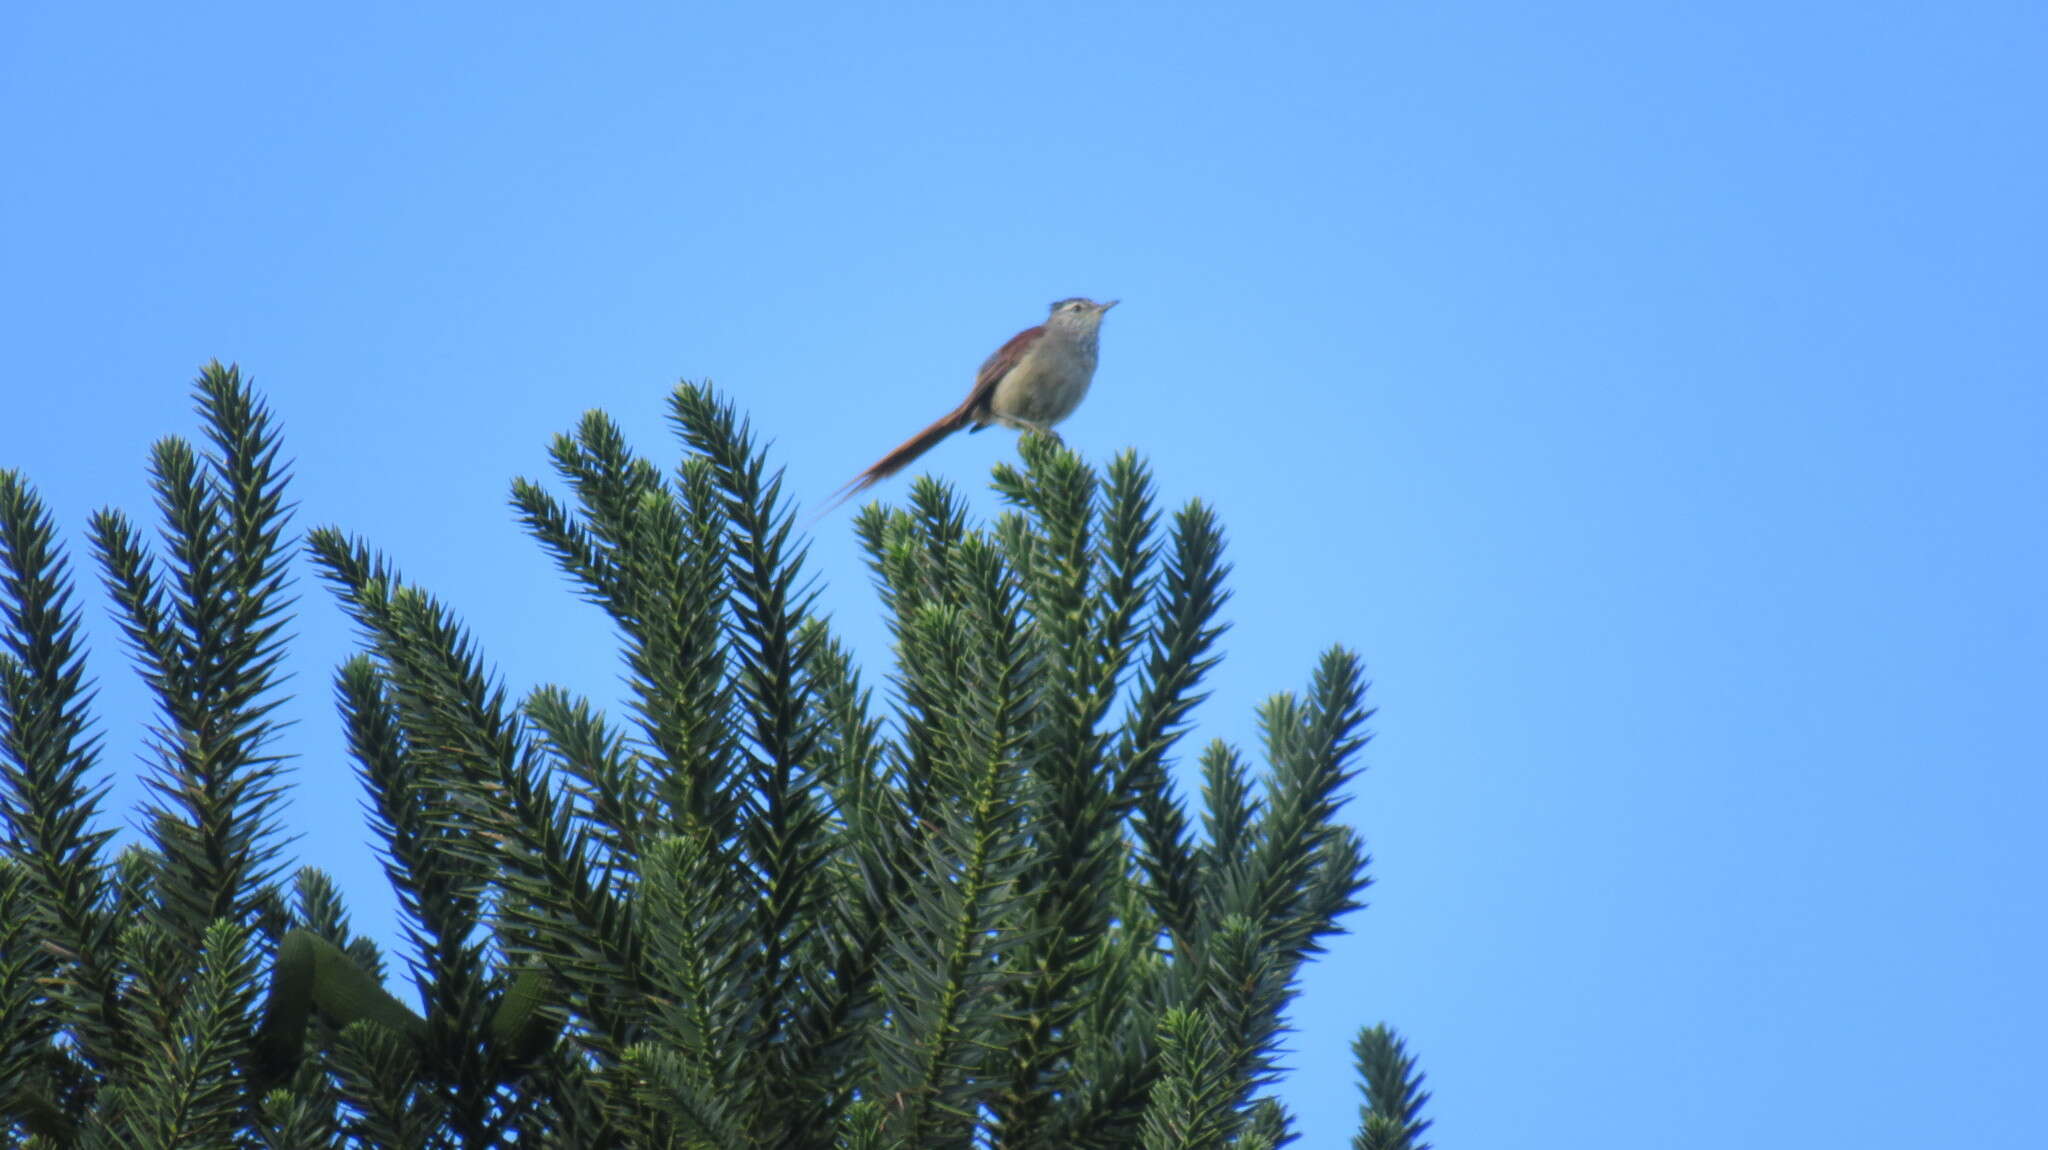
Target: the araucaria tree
pixel 765 907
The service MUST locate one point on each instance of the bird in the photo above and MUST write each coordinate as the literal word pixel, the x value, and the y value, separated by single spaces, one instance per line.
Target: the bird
pixel 1031 383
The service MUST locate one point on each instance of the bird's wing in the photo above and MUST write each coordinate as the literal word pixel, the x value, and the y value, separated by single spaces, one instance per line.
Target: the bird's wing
pixel 998 365
pixel 993 369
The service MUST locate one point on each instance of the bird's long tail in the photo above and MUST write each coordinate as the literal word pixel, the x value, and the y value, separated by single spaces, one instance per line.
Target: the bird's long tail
pixel 897 460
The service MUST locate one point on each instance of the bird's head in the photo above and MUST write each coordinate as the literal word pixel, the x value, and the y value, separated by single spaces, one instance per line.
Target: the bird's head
pixel 1078 312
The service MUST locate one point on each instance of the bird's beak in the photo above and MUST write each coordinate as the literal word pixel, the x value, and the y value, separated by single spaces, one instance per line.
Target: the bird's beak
pixel 1107 306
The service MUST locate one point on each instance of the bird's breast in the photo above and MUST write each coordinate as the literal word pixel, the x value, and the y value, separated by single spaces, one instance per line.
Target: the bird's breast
pixel 1047 384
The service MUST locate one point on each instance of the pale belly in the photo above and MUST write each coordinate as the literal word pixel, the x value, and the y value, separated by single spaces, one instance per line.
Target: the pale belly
pixel 1037 393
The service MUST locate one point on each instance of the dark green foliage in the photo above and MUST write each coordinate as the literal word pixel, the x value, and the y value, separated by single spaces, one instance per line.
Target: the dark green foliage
pixel 764 908
pixel 1192 1103
pixel 59 925
pixel 148 975
pixel 206 626
pixel 1391 1118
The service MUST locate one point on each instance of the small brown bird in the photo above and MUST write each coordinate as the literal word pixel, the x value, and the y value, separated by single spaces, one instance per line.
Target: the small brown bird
pixel 1030 383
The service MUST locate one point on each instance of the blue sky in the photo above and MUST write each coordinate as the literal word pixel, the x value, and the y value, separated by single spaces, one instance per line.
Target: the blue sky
pixel 1651 393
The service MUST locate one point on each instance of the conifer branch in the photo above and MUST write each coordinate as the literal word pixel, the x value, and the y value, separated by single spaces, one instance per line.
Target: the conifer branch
pixel 1391 1118
pixel 767 905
